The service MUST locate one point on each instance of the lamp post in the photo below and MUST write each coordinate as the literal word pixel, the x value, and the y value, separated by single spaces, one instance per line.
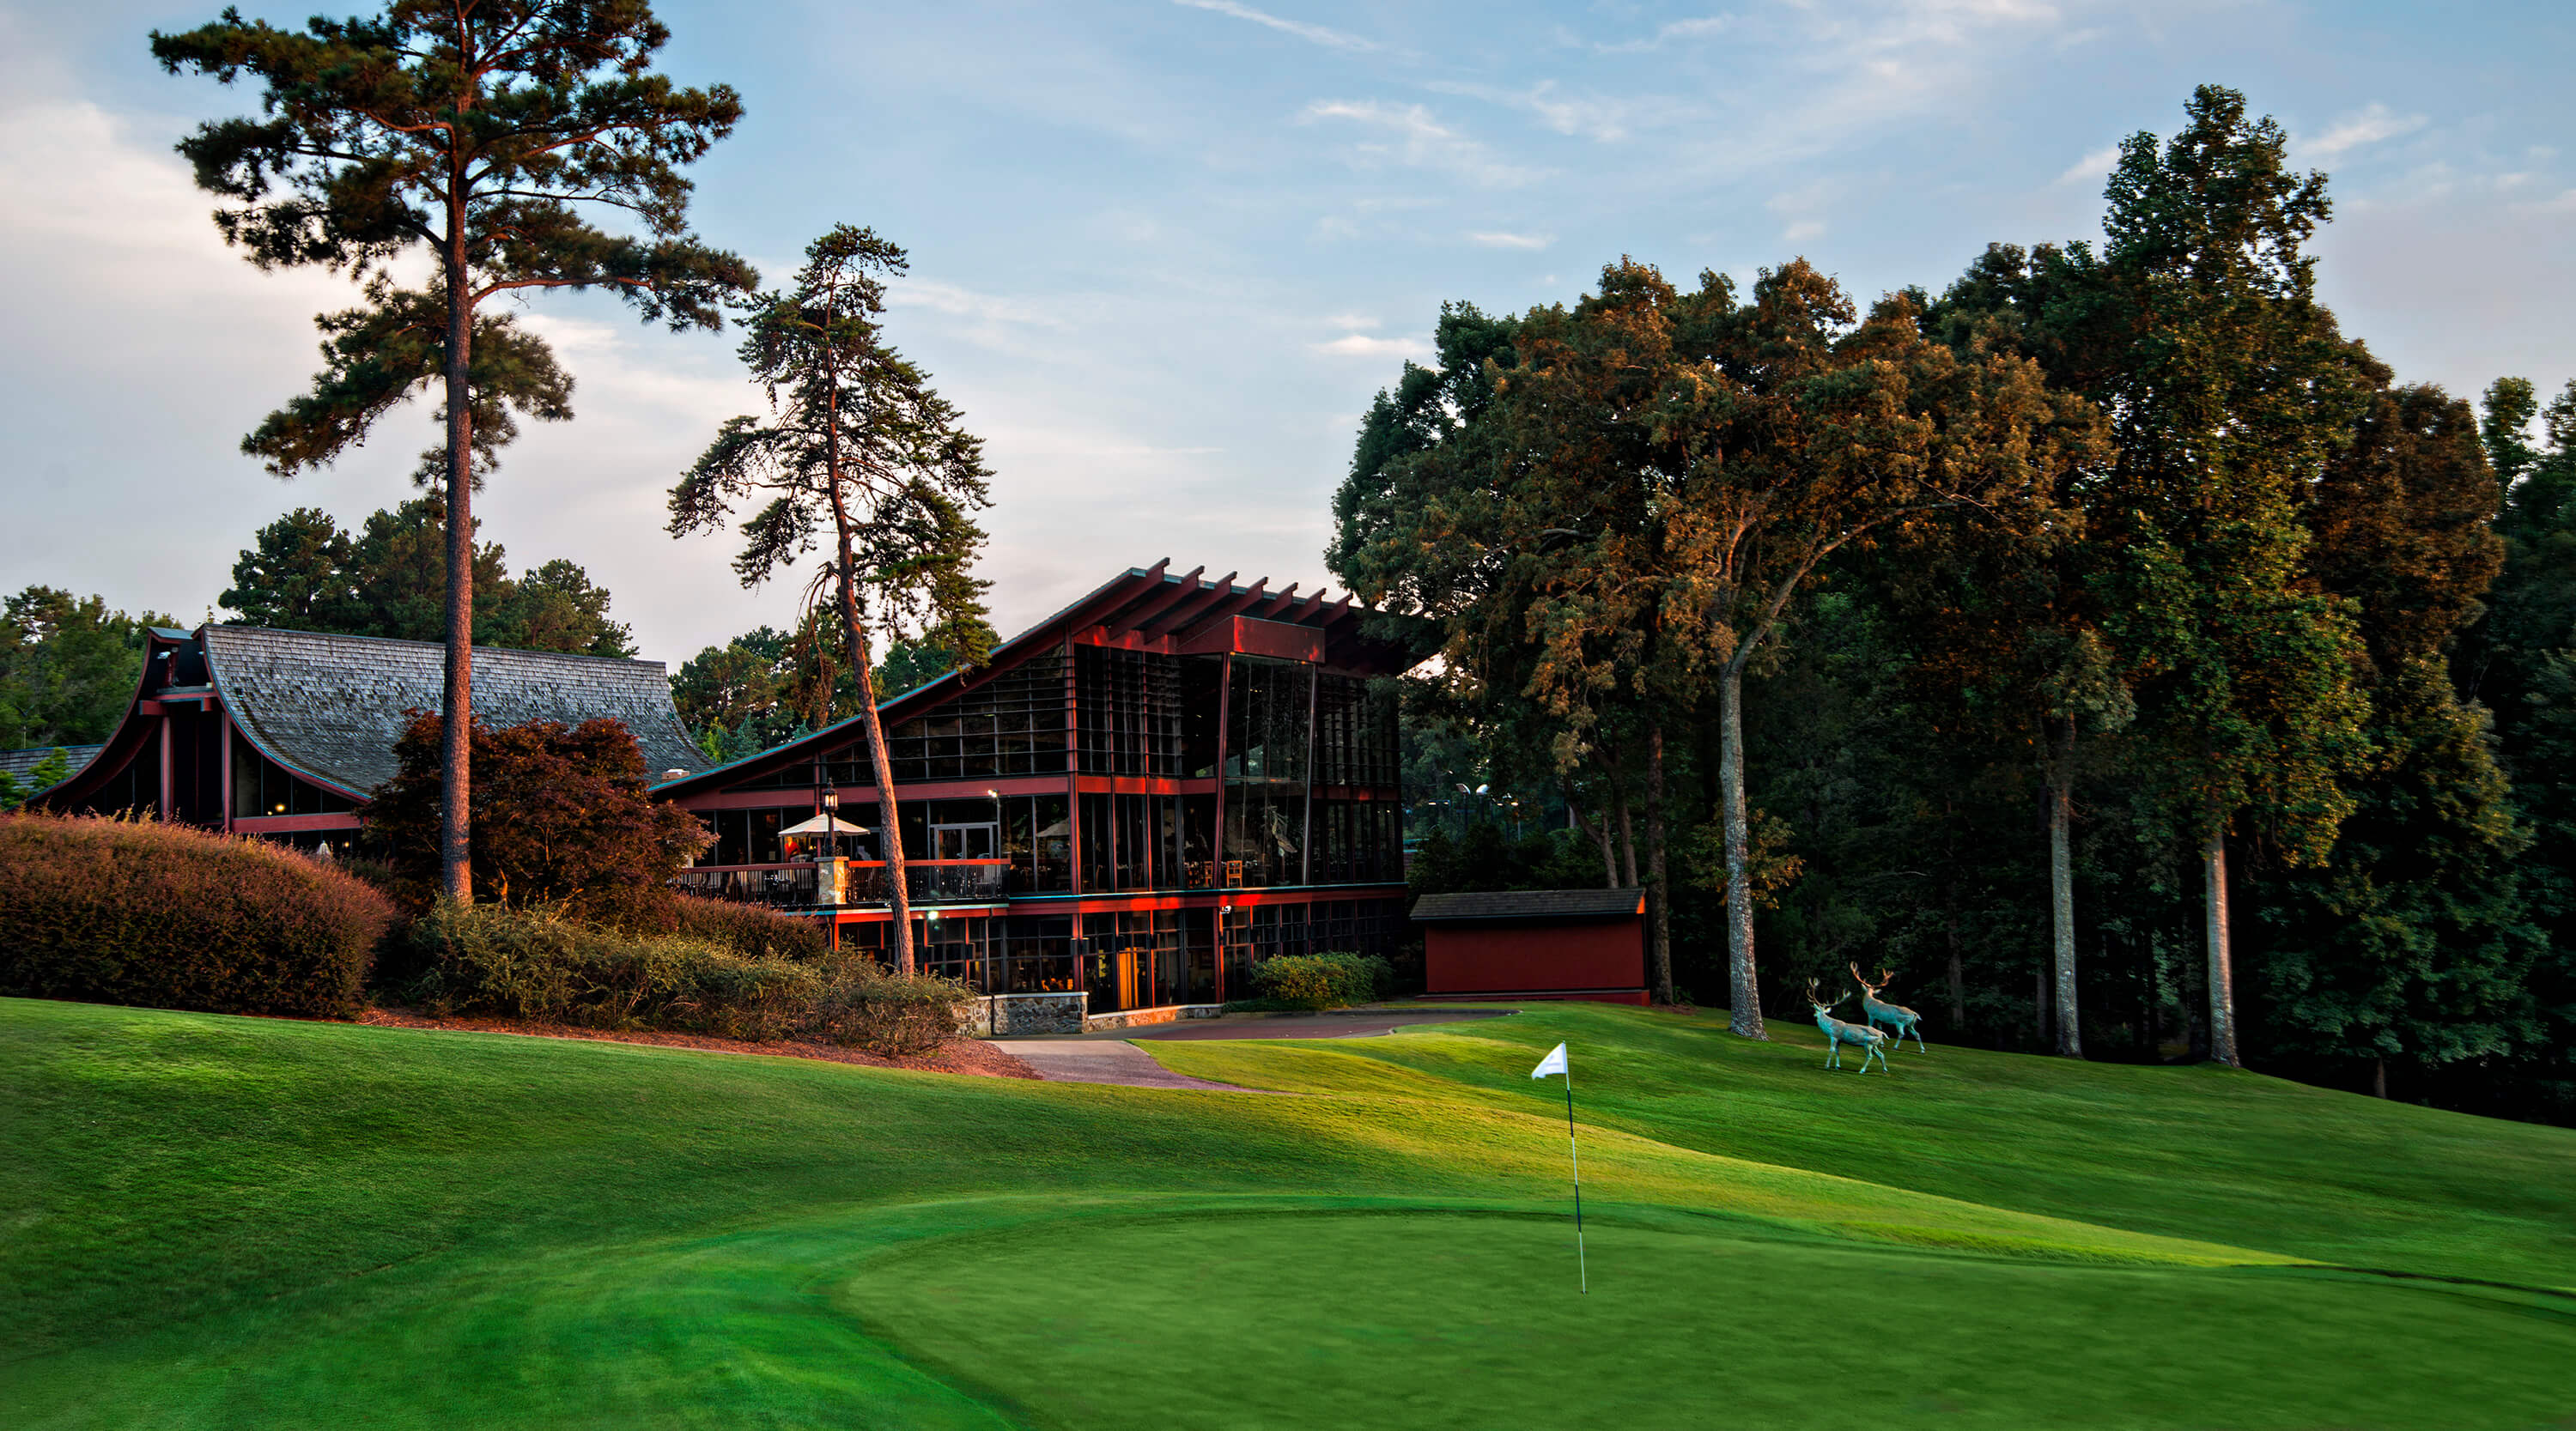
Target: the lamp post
pixel 831 846
pixel 991 994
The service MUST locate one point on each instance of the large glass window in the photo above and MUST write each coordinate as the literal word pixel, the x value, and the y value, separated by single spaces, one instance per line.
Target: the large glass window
pixel 1039 954
pixel 1135 959
pixel 1267 715
pixel 1038 839
pixel 261 786
pixel 749 837
pixel 1011 725
pixel 1128 708
pixel 1265 832
pixel 1356 740
pixel 1356 842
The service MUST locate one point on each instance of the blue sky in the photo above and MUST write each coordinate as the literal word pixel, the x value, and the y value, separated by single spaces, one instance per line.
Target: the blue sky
pixel 1165 250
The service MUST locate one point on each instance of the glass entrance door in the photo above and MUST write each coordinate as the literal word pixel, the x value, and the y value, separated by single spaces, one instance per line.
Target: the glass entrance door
pixel 965 842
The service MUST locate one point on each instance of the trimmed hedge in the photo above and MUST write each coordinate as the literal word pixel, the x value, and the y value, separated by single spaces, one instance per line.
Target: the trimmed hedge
pixel 166 916
pixel 1321 981
pixel 518 963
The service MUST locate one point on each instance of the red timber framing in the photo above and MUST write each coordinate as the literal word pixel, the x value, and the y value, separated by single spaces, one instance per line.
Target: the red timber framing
pixel 1137 799
pixel 181 755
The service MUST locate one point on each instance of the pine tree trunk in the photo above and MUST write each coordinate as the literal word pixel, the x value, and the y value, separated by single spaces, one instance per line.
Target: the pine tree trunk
pixel 1744 995
pixel 2222 981
pixel 456 736
pixel 898 884
pixel 2379 1078
pixel 2061 896
pixel 1661 901
pixel 898 881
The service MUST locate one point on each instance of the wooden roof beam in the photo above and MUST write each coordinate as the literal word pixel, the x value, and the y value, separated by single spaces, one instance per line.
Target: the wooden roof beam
pixel 1277 606
pixel 1223 604
pixel 1153 603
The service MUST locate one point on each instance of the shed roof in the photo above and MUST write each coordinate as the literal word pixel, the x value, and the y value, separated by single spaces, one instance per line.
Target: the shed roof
pixel 1529 904
pixel 20 763
pixel 332 706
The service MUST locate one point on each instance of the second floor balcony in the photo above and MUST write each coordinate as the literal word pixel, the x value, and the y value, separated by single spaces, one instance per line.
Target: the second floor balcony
pixel 842 884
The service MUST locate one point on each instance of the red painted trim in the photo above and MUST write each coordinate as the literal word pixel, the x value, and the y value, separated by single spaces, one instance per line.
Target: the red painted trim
pixel 283 824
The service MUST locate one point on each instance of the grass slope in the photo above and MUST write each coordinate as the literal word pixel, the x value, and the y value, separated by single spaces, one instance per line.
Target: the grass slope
pixel 227 1222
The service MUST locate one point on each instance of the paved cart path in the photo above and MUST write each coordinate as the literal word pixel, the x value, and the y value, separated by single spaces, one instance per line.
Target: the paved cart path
pixel 1113 1057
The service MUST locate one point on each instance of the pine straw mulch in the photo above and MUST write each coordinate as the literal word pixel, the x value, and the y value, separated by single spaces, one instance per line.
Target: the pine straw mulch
pixel 966 1056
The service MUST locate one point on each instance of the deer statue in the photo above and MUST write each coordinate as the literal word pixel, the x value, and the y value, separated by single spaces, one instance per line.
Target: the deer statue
pixel 1871 1042
pixel 1896 1016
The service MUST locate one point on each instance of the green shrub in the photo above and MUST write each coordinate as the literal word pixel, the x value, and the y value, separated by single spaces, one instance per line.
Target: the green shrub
pixel 869 1006
pixel 749 930
pixel 1321 981
pixel 491 959
pixel 136 912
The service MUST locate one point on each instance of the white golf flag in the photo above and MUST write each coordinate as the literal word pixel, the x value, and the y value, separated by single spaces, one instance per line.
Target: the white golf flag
pixel 1553 1063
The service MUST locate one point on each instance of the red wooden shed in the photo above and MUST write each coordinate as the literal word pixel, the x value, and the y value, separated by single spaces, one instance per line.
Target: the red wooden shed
pixel 1535 944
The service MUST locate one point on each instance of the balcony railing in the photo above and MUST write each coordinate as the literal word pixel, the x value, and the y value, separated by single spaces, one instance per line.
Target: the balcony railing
pixel 844 883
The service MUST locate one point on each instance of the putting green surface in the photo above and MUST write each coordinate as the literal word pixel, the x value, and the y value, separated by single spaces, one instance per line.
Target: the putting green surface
pixel 227 1222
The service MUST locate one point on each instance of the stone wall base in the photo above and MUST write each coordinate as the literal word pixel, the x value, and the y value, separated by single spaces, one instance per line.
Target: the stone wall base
pixel 1141 1018
pixel 1029 1014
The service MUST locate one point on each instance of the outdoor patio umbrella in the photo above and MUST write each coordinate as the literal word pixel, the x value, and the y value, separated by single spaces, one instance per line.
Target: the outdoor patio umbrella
pixel 828 824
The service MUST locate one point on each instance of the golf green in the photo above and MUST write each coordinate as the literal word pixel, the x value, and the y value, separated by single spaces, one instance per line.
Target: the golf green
pixel 223 1222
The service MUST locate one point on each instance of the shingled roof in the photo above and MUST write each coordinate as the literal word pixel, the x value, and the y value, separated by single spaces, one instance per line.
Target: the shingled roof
pixel 1517 904
pixel 332 706
pixel 19 764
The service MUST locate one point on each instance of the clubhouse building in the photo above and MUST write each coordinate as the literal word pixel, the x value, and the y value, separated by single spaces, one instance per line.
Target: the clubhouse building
pixel 1112 820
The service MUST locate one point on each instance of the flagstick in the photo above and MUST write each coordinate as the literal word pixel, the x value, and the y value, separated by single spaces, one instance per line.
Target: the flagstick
pixel 1581 1272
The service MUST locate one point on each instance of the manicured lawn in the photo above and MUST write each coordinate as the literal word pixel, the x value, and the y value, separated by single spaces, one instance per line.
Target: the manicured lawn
pixel 225 1222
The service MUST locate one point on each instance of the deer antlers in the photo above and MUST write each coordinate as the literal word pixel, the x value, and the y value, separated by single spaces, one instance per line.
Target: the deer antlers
pixel 1866 982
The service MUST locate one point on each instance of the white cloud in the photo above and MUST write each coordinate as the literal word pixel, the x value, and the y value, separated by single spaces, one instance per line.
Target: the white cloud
pixel 1361 345
pixel 1695 29
pixel 1354 320
pixel 1420 141
pixel 2372 124
pixel 2565 203
pixel 1511 240
pixel 1803 229
pixel 2092 166
pixel 1317 34
pixel 1591 116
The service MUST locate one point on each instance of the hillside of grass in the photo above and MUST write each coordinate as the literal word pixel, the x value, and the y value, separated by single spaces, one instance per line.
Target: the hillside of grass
pixel 211 1221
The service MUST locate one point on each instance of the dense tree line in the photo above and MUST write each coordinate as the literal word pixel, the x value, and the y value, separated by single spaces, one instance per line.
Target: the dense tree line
pixel 767 686
pixel 2107 642
pixel 389 578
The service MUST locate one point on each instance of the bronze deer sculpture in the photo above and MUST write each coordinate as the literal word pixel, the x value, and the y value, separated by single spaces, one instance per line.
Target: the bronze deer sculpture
pixel 1871 1042
pixel 1898 1017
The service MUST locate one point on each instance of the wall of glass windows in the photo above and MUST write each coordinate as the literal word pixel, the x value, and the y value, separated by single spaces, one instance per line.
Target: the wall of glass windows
pixel 1147 958
pixel 1356 842
pixel 1012 725
pixel 1268 710
pixel 1265 830
pixel 1134 842
pixel 1356 738
pixel 1128 711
